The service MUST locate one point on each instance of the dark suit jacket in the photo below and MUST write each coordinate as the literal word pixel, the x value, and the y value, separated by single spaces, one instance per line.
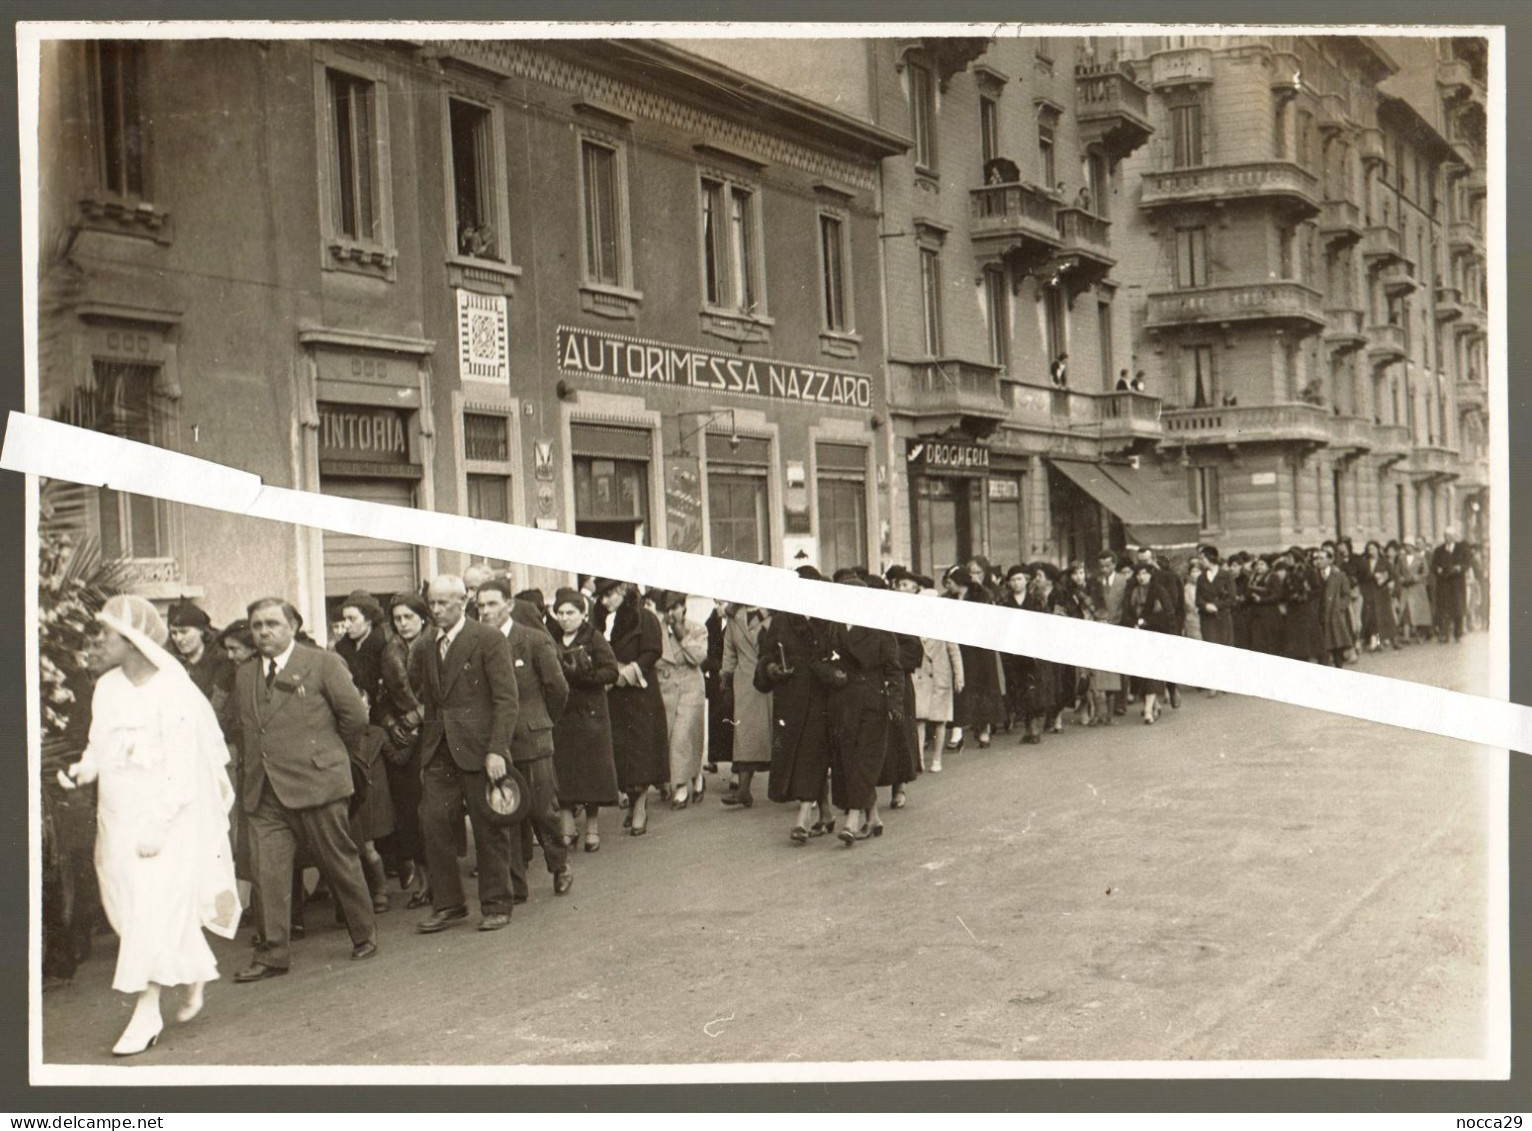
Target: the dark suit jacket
pixel 1218 628
pixel 470 699
pixel 301 739
pixel 541 690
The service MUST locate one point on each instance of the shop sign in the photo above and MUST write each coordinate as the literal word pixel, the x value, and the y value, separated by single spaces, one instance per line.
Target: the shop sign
pixel 939 455
pixel 356 432
pixel 594 353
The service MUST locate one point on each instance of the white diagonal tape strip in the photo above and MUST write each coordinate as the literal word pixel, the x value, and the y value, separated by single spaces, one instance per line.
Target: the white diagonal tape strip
pixel 43 447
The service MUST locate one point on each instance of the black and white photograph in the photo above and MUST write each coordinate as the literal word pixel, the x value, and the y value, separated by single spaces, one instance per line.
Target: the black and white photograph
pixel 1179 331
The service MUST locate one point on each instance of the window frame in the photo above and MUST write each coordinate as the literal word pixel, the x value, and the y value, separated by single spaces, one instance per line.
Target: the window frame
pixel 731 271
pixel 1055 315
pixel 1204 491
pixel 1188 149
pixel 1193 353
pixel 997 316
pixel 498 179
pixel 922 107
pixel 376 257
pixel 989 129
pixel 1191 268
pixel 931 300
pixel 847 327
pixel 132 57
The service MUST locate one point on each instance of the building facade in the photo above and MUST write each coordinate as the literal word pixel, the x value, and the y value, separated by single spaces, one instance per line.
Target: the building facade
pixel 559 284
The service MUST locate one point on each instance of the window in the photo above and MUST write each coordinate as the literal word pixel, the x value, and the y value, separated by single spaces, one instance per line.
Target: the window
pixel 997 308
pixel 1191 257
pixel 1098 184
pixel 1202 483
pixel 931 300
pixel 923 115
pixel 485 438
pixel 834 259
pixel 841 475
pixel 1201 386
pixel 989 128
pixel 1279 131
pixel 1045 154
pixel 355 150
pixel 736 500
pixel 1104 334
pixel 125 404
pixel 115 70
pixel 599 184
pixel 1055 331
pixel 1306 140
pixel 731 260
pixel 487 462
pixel 1286 266
pixel 1186 135
pixel 475 194
pixel 1007 524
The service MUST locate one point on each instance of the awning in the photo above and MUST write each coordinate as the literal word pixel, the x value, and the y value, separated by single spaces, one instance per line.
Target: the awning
pixel 1153 511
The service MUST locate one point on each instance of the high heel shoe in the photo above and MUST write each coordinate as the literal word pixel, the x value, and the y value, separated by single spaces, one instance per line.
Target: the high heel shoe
pixel 954 747
pixel 875 830
pixel 799 835
pixel 193 1004
pixel 131 1043
pixel 899 800
pixel 592 842
pixel 822 828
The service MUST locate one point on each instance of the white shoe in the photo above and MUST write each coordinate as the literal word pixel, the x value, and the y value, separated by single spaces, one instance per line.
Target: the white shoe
pixel 936 766
pixel 138 1037
pixel 193 1004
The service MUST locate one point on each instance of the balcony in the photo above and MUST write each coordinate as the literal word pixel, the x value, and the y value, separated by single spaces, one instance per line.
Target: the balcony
pixel 1183 66
pixel 1369 145
pixel 1085 245
pixel 1472 395
pixel 1398 278
pixel 1382 245
pixel 1473 322
pixel 1475 186
pixel 1334 113
pixel 1291 303
pixel 1112 109
pixel 1344 332
pixel 1465 238
pixel 1449 304
pixel 1387 345
pixel 1434 460
pixel 1255 424
pixel 948 393
pixel 1277 180
pixel 1391 440
pixel 1352 433
pixel 1340 223
pixel 1455 78
pixel 1116 416
pixel 1014 218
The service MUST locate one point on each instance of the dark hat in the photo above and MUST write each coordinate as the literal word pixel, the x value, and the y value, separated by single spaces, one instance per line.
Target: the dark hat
pixel 184 614
pixel 850 578
pixel 926 582
pixel 508 800
pixel 411 602
pixel 366 604
pixel 849 571
pixel 809 573
pixel 533 596
pixel 667 599
pixel 238 630
pixel 1017 570
pixel 873 581
pixel 1047 569
pixel 897 573
pixel 568 596
pixel 958 574
pixel 604 585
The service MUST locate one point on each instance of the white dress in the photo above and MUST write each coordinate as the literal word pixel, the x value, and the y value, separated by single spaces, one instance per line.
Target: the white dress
pixel 156 749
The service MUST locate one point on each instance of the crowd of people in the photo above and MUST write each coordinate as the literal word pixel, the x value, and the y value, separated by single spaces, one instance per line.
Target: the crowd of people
pixel 522 717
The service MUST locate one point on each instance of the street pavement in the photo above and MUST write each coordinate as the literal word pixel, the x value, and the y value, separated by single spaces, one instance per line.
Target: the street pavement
pixel 1243 880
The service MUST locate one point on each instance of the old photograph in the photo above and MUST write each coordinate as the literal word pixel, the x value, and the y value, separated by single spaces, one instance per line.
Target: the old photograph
pixel 1183 333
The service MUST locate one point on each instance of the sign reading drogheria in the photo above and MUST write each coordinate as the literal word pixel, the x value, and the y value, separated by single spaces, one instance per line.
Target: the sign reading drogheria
pixel 355 432
pixel 613 356
pixel 948 457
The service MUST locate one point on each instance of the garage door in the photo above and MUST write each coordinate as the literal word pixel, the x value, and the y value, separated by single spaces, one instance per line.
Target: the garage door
pixel 352 563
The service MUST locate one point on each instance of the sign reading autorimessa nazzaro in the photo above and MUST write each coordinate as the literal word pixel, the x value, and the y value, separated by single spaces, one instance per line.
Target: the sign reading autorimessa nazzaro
pixel 619 358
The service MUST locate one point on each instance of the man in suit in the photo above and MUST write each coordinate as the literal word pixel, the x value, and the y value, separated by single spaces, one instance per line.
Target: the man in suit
pixel 469 694
pixel 1216 598
pixel 302 720
pixel 1334 596
pixel 541 692
pixel 1449 566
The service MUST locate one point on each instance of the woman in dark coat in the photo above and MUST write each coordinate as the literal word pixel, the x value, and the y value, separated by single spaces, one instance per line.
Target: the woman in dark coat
pixel 400 713
pixel 194 641
pixel 1376 578
pixel 1333 596
pixel 1304 639
pixel 372 819
pixel 1264 596
pixel 582 735
pixel 791 665
pixel 978 707
pixel 868 660
pixel 901 764
pixel 1149 606
pixel 1028 681
pixel 640 741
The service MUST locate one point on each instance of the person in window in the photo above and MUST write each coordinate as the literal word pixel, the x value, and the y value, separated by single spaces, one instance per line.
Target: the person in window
pixel 582 737
pixel 1123 384
pixel 679 669
pixel 1140 382
pixel 162 817
pixel 640 740
pixel 1082 200
pixel 1059 371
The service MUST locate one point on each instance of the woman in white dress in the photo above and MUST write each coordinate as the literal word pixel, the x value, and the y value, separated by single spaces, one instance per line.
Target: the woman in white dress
pixel 162 815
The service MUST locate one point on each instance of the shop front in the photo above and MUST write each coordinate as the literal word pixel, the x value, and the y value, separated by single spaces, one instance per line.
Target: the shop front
pixel 949 497
pixel 1101 505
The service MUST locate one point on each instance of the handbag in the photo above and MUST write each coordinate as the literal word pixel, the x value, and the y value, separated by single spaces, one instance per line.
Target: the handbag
pixel 403 739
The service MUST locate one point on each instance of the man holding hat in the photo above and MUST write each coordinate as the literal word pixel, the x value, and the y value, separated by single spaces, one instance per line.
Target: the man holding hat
pixel 468 690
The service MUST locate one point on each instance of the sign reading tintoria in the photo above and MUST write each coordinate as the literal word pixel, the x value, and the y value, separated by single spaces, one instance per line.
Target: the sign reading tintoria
pixel 355 432
pixel 618 358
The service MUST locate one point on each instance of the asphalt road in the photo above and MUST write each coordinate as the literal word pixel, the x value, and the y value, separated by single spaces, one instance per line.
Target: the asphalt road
pixel 1244 880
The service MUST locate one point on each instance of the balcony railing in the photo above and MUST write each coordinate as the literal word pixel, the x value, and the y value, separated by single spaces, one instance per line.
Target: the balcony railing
pixel 1112 109
pixel 1434 459
pixel 1340 221
pixel 1369 144
pixel 1465 236
pixel 947 385
pixel 1080 231
pixel 1449 304
pixel 1382 244
pixel 1345 330
pixel 1398 278
pixel 1015 210
pixel 1279 179
pixel 1180 66
pixel 1282 301
pixel 1471 393
pixel 1122 415
pixel 1352 432
pixel 1386 344
pixel 1391 439
pixel 1254 424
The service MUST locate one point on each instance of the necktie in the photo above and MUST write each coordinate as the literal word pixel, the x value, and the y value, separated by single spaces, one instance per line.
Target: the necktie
pixel 441 648
pixel 271 675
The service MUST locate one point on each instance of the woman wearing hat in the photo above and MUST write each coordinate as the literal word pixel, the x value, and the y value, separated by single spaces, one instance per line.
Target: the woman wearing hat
pixel 978 707
pixel 400 714
pixel 372 819
pixel 640 742
pixel 162 817
pixel 792 669
pixel 744 626
pixel 194 642
pixel 680 674
pixel 582 735
pixel 869 685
